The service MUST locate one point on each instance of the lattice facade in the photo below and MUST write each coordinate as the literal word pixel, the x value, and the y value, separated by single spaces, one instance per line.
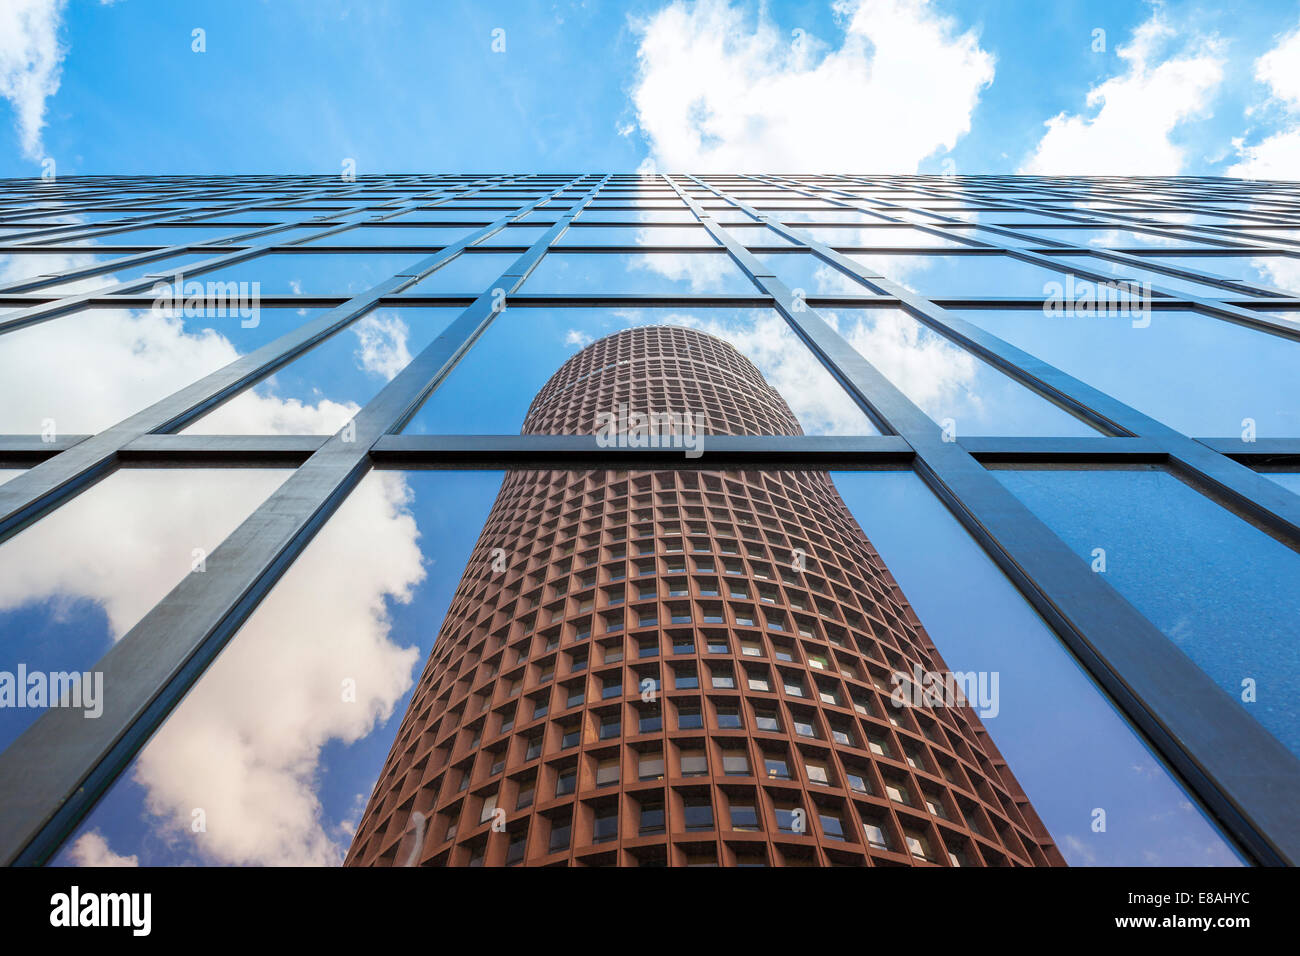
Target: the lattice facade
pixel 683 668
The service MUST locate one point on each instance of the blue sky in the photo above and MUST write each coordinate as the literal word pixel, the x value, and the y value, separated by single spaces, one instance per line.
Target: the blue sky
pixel 865 86
pixel 862 85
pixel 284 769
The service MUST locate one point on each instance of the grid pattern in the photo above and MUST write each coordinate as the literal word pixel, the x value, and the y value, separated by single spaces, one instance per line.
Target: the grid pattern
pixel 661 370
pixel 53 774
pixel 566 691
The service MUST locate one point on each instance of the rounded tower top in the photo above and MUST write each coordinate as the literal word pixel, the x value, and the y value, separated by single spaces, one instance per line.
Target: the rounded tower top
pixel 655 369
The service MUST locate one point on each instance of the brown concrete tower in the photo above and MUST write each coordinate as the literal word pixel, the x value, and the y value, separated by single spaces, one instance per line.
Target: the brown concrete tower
pixel 683 667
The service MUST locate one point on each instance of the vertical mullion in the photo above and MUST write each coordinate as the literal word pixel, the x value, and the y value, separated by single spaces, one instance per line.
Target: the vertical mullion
pixel 1181 710
pixel 158 659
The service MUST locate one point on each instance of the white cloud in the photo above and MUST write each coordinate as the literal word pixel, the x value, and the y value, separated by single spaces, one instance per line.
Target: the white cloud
pixel 28 265
pixel 91 849
pixel 705 273
pixel 717 91
pixel 821 406
pixel 129 540
pixel 1282 272
pixel 383 348
pixel 1279 69
pixel 1276 156
pixel 579 338
pixel 91 369
pixel 1136 111
pixel 30 58
pixel 935 374
pixel 254 413
pixel 245 743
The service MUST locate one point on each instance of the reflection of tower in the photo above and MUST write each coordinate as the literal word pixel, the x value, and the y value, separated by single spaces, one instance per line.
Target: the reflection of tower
pixel 683 667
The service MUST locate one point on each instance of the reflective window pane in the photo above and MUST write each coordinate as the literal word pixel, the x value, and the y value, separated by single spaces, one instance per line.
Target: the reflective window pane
pixel 267 742
pixel 1198 374
pixel 1123 271
pixel 940 275
pixel 83 372
pixel 1271 271
pixel 470 273
pixel 395 236
pixel 981 624
pixel 950 384
pixel 492 387
pixel 644 273
pixel 1288 480
pixel 21 266
pixel 305 273
pixel 1195 569
pixel 82 576
pixel 319 392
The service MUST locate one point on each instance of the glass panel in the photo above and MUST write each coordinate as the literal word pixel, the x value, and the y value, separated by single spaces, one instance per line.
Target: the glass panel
pixel 1124 271
pixel 268 216
pixel 644 273
pixel 1288 480
pixel 305 273
pixel 1200 375
pixel 807 275
pixel 940 275
pixel 82 576
pixel 1044 237
pixel 19 266
pixel 876 236
pixel 83 372
pixel 1271 271
pixel 182 235
pixel 319 392
pixel 757 236
pixel 948 382
pixel 523 348
pixel 578 235
pixel 795 216
pixel 1106 238
pixel 667 216
pixel 470 273
pixel 267 743
pixel 514 236
pixel 396 236
pixel 981 623
pixel 1195 569
pixel 445 214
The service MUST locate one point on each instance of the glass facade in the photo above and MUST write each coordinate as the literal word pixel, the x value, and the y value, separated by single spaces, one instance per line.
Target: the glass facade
pixel 251 429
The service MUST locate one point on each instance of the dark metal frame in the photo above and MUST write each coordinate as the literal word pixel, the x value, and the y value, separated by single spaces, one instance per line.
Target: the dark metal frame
pixel 53 774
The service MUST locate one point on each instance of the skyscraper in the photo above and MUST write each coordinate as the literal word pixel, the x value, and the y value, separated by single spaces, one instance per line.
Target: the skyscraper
pixel 684 667
pixel 252 427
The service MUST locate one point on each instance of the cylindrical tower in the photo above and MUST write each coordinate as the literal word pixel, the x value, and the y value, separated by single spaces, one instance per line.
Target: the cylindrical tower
pixel 684 667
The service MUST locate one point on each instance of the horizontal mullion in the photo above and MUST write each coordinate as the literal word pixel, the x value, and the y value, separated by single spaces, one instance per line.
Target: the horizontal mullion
pixel 217 450
pixel 715 452
pixel 1101 450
